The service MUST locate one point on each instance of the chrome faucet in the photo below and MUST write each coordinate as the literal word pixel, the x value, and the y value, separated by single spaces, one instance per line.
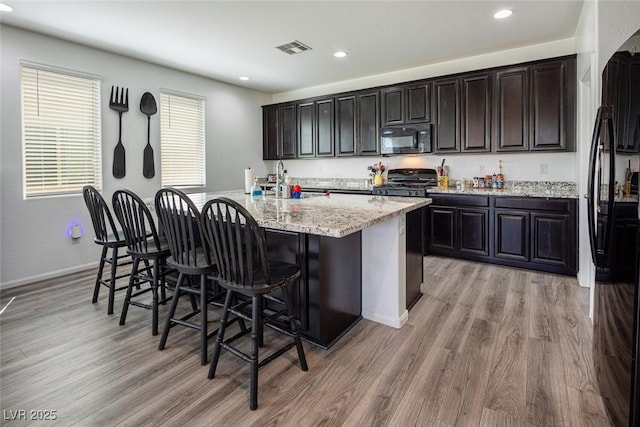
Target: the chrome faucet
pixel 279 177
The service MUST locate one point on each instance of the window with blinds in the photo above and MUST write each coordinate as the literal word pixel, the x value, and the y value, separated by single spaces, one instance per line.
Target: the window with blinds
pixel 61 137
pixel 182 140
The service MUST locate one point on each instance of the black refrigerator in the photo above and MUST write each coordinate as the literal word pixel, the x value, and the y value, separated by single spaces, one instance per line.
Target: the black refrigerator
pixel 613 217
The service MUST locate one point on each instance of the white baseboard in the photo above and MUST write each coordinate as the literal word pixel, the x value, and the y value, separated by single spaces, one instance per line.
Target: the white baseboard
pixel 49 275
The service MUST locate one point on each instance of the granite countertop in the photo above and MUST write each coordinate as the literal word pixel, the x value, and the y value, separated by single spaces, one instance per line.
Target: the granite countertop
pixel 335 215
pixel 555 189
pixel 514 192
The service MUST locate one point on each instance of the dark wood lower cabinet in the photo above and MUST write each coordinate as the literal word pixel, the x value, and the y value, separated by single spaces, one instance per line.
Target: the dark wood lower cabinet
pixel 511 235
pixel 458 226
pixel 327 297
pixel 533 233
pixel 474 231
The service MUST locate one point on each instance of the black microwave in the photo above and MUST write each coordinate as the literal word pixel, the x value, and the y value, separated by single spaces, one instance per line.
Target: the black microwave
pixel 405 139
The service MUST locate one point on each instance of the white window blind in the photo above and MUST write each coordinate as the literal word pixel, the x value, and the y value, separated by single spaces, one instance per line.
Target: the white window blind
pixel 182 140
pixel 60 132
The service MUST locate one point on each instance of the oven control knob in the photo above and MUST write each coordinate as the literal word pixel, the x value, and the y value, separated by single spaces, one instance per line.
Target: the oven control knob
pixel 385 192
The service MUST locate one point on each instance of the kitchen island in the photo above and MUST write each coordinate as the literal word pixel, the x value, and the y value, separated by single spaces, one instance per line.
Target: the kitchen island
pixel 359 255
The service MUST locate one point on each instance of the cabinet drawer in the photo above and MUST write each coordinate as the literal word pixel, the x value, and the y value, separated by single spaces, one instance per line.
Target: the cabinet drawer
pixel 534 203
pixel 458 200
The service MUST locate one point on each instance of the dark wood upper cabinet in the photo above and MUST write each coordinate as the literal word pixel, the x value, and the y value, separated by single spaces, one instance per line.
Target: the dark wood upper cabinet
pixel 633 123
pixel 621 91
pixel 406 104
pixel 287 117
pixel 525 107
pixel 324 132
pixel 418 97
pixel 357 124
pixel 393 109
pixel 512 109
pixel 270 129
pixel 368 123
pixel 447 111
pixel 279 126
pixel 476 113
pixel 306 130
pixel 553 106
pixel 315 128
pixel 345 125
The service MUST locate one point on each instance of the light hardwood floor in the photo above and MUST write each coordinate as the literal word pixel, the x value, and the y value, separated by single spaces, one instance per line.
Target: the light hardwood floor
pixel 484 346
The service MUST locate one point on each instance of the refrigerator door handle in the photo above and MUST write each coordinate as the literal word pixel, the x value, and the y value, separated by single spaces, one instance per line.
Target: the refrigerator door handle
pixel 591 195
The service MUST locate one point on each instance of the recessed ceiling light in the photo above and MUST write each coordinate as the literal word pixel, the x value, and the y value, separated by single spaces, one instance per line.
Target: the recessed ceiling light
pixel 244 78
pixel 504 13
pixel 340 54
pixel 5 7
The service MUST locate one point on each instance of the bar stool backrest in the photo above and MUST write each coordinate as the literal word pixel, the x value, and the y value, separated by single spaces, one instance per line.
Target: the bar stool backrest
pixel 237 244
pixel 103 224
pixel 180 221
pixel 137 223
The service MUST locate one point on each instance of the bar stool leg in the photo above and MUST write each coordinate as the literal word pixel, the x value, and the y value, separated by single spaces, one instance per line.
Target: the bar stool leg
pixel 220 336
pixel 112 281
pixel 96 289
pixel 203 319
pixel 256 323
pixel 294 330
pixel 154 298
pixel 172 311
pixel 127 298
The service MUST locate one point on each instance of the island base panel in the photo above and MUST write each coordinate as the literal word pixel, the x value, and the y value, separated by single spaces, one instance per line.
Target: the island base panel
pixel 334 286
pixel 384 272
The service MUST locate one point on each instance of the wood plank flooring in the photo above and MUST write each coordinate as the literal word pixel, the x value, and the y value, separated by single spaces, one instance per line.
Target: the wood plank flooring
pixel 485 346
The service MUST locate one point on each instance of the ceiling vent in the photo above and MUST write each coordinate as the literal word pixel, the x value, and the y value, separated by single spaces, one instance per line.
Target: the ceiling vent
pixel 293 47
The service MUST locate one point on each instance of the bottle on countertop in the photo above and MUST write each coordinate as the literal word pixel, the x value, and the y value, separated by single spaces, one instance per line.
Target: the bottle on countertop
pixel 256 191
pixel 500 177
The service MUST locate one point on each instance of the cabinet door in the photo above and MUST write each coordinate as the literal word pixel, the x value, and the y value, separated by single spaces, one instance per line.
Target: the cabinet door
pixel 442 228
pixel 393 106
pixel 551 87
pixel 346 125
pixel 474 231
pixel 270 132
pixel 512 109
pixel 368 119
pixel 553 240
pixel 288 133
pixel 621 108
pixel 447 110
pixel 324 128
pixel 633 121
pixel 306 129
pixel 476 113
pixel 418 103
pixel 511 235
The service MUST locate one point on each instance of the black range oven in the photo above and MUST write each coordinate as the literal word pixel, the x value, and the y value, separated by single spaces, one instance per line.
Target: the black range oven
pixel 407 182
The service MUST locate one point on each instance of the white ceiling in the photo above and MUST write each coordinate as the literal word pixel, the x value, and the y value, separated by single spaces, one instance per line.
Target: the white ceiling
pixel 227 39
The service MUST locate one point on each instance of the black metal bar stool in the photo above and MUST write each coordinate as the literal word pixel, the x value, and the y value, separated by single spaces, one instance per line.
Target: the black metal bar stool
pixel 180 222
pixel 143 244
pixel 238 247
pixel 108 237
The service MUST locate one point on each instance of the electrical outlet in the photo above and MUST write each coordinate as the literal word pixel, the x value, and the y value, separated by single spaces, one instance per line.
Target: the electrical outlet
pixel 544 168
pixel 481 169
